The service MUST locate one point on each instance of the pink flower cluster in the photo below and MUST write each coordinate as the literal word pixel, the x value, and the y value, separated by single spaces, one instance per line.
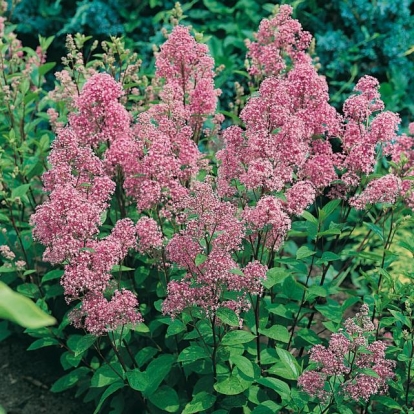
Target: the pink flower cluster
pixel 204 249
pixel 162 157
pixel 364 132
pixel 277 39
pixel 80 191
pixel 347 356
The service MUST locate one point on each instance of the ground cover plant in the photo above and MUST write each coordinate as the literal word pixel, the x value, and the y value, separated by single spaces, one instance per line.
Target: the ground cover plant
pixel 257 264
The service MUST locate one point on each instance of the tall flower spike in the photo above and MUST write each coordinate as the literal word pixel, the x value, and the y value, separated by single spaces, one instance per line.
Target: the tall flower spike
pixel 277 39
pixel 68 223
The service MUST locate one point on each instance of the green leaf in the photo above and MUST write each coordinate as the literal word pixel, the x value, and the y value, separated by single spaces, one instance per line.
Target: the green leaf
pixel 200 259
pixel 376 229
pixel 7 269
pixel 52 275
pixel 237 337
pixel 43 69
pixel 267 407
pixel 28 289
pixel 387 402
pixel 166 399
pixel 328 257
pixel 228 316
pixel 156 371
pixel 43 342
pixel 20 191
pixel 276 332
pixel 109 391
pixel 275 276
pixel 232 384
pixel 107 374
pixel 370 372
pixel 277 385
pixel 68 360
pixel 244 366
pixel 289 361
pixel 84 343
pixel 309 217
pixel 200 402
pixel 175 328
pixel 192 353
pixel 329 208
pixel 69 380
pixel 304 252
pixel 21 310
pixel 120 268
pixel 137 380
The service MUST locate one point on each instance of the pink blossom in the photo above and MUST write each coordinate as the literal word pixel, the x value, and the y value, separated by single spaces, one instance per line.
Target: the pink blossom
pixel 276 38
pixel 98 315
pixel 382 190
pixel 149 234
pixel 269 218
pixel 299 197
pixel 6 252
pixel 313 383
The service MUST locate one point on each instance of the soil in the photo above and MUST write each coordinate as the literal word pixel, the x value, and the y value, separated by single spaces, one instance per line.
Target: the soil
pixel 26 378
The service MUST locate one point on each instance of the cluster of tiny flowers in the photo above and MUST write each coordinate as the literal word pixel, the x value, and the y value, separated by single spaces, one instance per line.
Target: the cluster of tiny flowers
pixel 363 131
pixel 382 190
pixel 288 125
pixel 149 235
pixel 163 154
pixel 80 190
pixel 277 38
pixel 349 353
pixel 6 252
pixel 213 230
pixel 269 220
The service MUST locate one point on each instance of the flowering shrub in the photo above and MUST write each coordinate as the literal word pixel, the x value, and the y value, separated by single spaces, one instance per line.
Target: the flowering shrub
pixel 204 267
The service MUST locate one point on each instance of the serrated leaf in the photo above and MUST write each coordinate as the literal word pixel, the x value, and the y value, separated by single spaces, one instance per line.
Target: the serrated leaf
pixel 106 375
pixel 20 191
pixel 329 208
pixel 83 343
pixel 309 217
pixel 43 69
pixel 328 257
pixel 175 328
pixel 237 337
pixel 157 370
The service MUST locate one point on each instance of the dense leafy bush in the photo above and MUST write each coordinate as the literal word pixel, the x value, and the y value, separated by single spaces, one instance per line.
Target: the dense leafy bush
pixel 255 268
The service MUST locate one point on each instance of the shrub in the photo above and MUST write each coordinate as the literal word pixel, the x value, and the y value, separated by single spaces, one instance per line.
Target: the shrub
pixel 210 269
